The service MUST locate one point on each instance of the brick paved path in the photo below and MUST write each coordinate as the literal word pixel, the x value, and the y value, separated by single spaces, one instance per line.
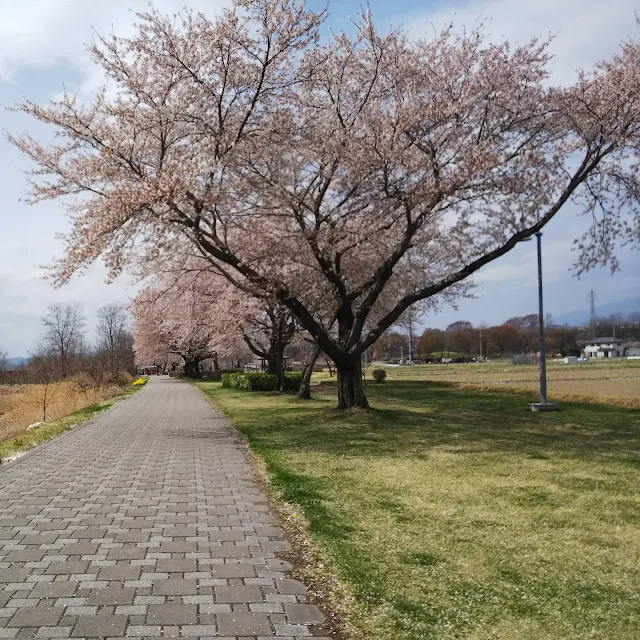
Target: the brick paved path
pixel 145 523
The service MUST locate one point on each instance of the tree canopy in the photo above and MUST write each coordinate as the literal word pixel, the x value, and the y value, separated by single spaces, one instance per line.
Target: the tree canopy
pixel 347 178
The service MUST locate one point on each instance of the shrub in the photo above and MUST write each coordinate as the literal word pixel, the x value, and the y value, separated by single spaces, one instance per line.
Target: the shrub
pixel 256 381
pixel 83 381
pixel 228 380
pixel 260 381
pixel 140 382
pixel 217 375
pixel 379 375
pixel 124 379
pixel 292 382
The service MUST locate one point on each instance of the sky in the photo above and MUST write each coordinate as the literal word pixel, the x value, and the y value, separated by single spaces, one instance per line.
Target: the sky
pixel 42 51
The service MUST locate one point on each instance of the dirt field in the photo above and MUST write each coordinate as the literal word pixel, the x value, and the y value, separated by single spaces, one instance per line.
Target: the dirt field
pixel 22 405
pixel 615 382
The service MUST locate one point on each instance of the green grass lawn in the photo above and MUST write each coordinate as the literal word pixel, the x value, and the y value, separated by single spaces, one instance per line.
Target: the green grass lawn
pixel 455 514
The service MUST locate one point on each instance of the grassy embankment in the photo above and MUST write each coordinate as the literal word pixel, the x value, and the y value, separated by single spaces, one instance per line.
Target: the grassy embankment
pixel 453 513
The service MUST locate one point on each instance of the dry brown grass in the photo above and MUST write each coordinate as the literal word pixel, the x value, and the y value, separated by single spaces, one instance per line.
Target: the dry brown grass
pixel 616 382
pixel 619 393
pixel 22 405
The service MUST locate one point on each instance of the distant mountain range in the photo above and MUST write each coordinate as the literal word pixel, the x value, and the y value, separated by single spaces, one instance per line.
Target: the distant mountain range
pixel 577 318
pixel 16 362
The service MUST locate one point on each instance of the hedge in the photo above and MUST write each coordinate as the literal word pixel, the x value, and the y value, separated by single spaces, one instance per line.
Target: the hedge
pixel 260 381
pixel 218 373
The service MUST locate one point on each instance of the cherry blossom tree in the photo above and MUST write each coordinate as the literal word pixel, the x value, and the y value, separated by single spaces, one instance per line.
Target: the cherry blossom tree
pixel 173 319
pixel 361 175
pixel 267 330
pixel 264 325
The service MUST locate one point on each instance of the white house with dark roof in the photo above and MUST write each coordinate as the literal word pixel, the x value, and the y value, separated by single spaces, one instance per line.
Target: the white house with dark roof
pixel 604 348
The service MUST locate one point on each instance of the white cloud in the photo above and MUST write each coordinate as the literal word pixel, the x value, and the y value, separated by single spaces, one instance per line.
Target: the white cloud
pixel 585 30
pixel 49 33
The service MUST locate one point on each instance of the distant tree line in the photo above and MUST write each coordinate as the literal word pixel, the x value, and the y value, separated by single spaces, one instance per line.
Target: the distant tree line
pixel 517 335
pixel 64 352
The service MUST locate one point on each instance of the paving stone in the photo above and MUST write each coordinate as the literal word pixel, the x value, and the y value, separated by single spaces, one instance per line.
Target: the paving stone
pixel 82 610
pixel 291 630
pixel 125 553
pixel 100 626
pixel 274 564
pixel 111 596
pixel 36 617
pixel 303 614
pixel 54 632
pixel 27 555
pixel 43 538
pixel 233 571
pixel 198 631
pixel 238 594
pixel 13 575
pixel 230 552
pixel 172 614
pixel 243 624
pixel 55 525
pixel 90 533
pixel 144 631
pixel 270 532
pixel 184 532
pixel 292 587
pixel 64 589
pixel 124 572
pixel 69 567
pixel 178 547
pixel 176 565
pixel 276 546
pixel 133 537
pixel 175 587
pixel 95 520
pixel 79 549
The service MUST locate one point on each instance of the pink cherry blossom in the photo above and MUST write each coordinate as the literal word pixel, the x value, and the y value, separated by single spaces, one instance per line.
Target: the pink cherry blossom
pixel 346 179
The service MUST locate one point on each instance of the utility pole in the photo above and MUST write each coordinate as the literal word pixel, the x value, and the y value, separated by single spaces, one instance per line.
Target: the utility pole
pixel 544 404
pixel 592 301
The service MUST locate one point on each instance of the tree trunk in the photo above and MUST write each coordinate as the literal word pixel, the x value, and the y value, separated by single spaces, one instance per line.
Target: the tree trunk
pixel 276 365
pixel 350 385
pixel 305 387
pixel 192 370
pixel 280 369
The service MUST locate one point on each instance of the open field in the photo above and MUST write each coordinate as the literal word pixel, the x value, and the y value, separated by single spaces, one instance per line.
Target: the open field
pixel 614 382
pixel 458 514
pixel 22 405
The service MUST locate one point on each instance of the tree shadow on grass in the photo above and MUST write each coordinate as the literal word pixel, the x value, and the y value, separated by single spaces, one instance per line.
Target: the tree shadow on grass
pixel 409 419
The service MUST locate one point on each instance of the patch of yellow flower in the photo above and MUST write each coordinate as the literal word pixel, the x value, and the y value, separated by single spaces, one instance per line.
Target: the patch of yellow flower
pixel 140 382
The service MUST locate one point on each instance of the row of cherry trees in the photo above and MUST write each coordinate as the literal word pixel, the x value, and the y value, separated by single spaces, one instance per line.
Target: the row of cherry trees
pixel 193 314
pixel 343 177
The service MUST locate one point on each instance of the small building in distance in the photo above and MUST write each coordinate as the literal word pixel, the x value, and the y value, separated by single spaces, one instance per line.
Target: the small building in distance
pixel 633 351
pixel 604 348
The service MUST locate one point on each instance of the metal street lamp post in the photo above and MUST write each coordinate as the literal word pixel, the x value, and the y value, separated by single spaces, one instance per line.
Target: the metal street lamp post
pixel 544 404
